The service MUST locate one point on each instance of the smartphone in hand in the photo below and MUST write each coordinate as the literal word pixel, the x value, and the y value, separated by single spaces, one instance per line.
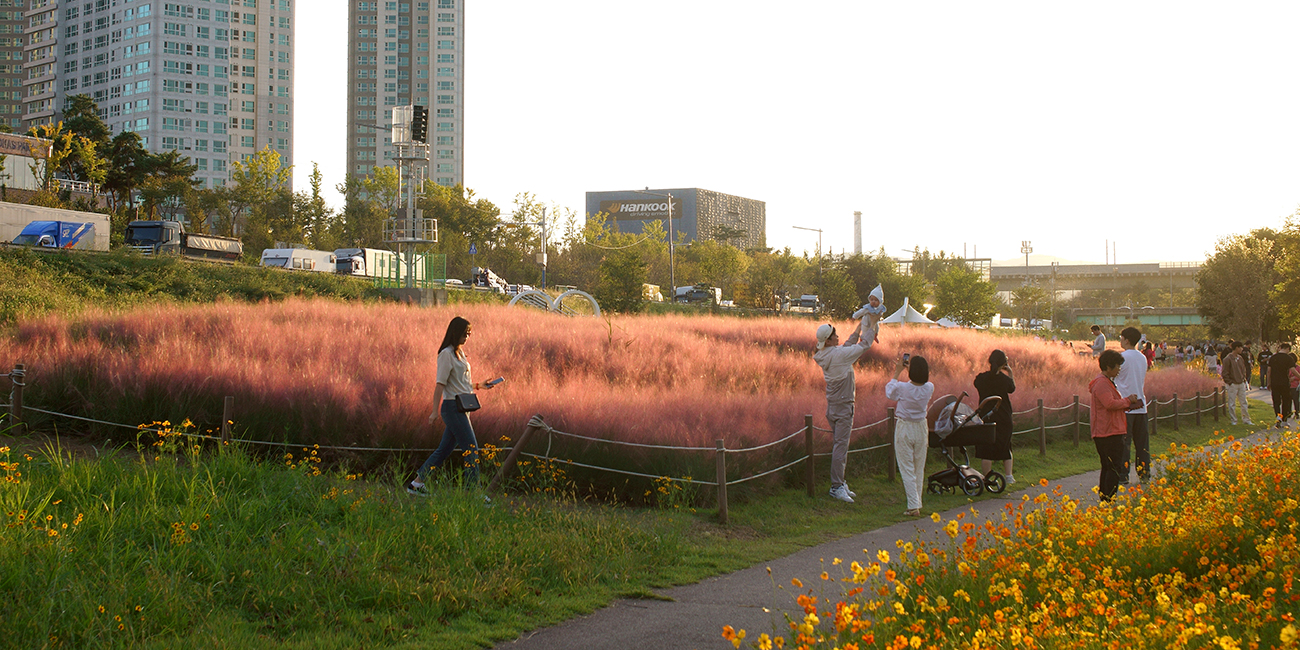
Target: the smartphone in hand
pixel 494 382
pixel 906 356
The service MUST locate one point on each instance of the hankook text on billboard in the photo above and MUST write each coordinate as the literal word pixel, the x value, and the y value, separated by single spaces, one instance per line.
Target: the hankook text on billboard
pixel 638 210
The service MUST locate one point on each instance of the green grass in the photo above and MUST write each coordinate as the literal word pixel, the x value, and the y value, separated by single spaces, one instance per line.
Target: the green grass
pixel 283 558
pixel 36 283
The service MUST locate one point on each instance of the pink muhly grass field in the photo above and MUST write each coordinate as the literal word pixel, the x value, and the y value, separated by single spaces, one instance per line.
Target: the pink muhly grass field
pixel 329 373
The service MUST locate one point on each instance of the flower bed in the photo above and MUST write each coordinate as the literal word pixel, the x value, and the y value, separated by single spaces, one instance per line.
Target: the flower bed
pixel 1204 557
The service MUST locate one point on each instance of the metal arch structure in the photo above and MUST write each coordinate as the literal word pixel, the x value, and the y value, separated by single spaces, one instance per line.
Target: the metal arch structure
pixel 559 302
pixel 533 298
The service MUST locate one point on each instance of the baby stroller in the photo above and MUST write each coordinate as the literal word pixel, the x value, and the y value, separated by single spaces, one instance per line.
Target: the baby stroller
pixel 953 426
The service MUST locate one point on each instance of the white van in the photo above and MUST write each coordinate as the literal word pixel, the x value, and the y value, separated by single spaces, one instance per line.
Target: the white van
pixel 300 259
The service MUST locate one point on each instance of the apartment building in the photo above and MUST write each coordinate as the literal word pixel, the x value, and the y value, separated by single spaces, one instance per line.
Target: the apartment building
pixel 406 52
pixel 11 63
pixel 212 79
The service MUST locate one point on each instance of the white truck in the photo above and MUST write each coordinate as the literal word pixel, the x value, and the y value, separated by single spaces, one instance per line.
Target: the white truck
pixel 299 259
pixel 377 263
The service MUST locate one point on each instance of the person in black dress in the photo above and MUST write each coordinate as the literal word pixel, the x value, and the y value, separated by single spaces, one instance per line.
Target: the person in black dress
pixel 997 381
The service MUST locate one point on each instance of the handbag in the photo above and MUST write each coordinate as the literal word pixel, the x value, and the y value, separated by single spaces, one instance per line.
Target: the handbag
pixel 466 402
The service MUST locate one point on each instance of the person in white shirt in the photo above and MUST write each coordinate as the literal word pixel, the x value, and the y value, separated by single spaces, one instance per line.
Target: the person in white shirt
pixel 453 379
pixel 911 439
pixel 1132 380
pixel 836 362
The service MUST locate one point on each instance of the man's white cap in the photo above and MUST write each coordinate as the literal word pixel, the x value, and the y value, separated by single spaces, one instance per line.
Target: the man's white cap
pixel 824 332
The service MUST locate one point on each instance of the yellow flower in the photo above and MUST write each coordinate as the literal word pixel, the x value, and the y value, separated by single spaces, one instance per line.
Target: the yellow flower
pixel 797 584
pixel 934 516
pixel 1200 608
pixel 951 528
pixel 883 556
pixel 1289 634
pixel 764 642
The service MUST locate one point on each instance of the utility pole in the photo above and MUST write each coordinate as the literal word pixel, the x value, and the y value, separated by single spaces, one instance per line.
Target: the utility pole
pixel 407 232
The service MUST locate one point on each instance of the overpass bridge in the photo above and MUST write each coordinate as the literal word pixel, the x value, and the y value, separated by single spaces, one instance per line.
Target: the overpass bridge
pixel 1147 316
pixel 1085 277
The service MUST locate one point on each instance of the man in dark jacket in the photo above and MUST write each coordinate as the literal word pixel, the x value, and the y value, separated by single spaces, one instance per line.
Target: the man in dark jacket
pixel 1263 357
pixel 1279 367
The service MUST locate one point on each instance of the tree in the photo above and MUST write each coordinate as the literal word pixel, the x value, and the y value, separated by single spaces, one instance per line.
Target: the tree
pixel 1286 291
pixel 965 297
pixel 866 271
pixel 126 168
pixel 314 214
pixel 774 276
pixel 1233 285
pixel 713 263
pixel 81 116
pixel 622 273
pixel 259 197
pixel 837 294
pixel 1028 300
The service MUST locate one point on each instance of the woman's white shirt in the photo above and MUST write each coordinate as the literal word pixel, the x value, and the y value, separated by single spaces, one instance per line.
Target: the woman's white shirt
pixel 453 373
pixel 912 399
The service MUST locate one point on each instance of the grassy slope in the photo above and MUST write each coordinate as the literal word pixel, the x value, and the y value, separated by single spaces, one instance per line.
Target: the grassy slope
pixel 280 560
pixel 33 283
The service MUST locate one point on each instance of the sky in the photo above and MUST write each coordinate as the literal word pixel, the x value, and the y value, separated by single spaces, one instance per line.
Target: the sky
pixel 966 127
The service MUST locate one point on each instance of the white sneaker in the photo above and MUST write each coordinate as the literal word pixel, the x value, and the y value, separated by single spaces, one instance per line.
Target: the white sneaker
pixel 841 492
pixel 1009 478
pixel 850 491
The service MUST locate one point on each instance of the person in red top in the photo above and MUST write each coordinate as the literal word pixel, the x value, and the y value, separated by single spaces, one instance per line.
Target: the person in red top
pixel 1109 422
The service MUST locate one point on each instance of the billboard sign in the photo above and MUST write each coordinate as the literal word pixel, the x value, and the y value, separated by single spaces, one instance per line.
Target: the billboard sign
pixel 641 209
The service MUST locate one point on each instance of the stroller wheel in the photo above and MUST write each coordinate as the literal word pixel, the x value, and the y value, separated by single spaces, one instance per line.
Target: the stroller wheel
pixel 972 486
pixel 995 483
pixel 934 487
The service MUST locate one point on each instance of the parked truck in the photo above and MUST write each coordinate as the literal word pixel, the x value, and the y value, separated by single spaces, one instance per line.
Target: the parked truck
pixel 485 278
pixel 300 259
pixel 169 237
pixel 58 234
pixel 700 293
pixel 378 263
pixel 16 217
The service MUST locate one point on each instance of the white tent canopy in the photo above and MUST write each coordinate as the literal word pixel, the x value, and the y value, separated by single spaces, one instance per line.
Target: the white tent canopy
pixel 948 322
pixel 906 314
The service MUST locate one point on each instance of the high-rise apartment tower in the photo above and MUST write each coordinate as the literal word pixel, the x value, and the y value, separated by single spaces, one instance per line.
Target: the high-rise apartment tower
pixel 399 53
pixel 212 79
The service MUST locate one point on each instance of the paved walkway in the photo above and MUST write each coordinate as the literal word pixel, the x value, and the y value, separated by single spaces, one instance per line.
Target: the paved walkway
pixel 692 616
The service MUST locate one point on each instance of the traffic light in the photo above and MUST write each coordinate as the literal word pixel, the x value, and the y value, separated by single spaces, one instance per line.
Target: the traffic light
pixel 420 124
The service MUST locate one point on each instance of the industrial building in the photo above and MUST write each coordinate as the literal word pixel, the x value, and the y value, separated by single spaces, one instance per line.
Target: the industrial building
pixel 699 214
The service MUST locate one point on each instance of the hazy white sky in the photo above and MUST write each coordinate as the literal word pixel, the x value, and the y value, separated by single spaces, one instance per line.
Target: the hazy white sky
pixel 1161 126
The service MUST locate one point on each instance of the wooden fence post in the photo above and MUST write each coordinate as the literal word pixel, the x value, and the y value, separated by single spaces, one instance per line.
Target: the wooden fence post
pixel 227 415
pixel 1198 407
pixel 1042 429
pixel 722 482
pixel 890 423
pixel 1214 408
pixel 534 423
pixel 16 397
pixel 1175 412
pixel 1153 416
pixel 810 471
pixel 1223 400
pixel 1077 421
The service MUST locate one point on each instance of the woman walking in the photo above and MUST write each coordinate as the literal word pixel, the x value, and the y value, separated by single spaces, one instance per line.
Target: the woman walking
pixel 453 382
pixel 997 382
pixel 910 436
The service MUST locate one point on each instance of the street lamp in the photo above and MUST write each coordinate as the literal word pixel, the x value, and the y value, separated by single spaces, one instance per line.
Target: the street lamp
pixel 819 253
pixel 1026 247
pixel 672 235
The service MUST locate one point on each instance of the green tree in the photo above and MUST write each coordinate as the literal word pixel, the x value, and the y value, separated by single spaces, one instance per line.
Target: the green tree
pixel 965 297
pixel 775 276
pixel 259 197
pixel 867 271
pixel 713 263
pixel 315 215
pixel 1234 285
pixel 622 274
pixel 1029 301
pixel 838 296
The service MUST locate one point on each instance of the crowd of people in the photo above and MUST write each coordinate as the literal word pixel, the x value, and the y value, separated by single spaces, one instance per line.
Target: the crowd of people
pixel 1119 402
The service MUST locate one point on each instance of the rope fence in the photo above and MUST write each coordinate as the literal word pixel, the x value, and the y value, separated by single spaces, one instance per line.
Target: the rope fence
pixel 1038 415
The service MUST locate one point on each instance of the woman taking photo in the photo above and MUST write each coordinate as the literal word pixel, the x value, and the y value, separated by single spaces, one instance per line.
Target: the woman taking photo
pixel 997 381
pixel 453 382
